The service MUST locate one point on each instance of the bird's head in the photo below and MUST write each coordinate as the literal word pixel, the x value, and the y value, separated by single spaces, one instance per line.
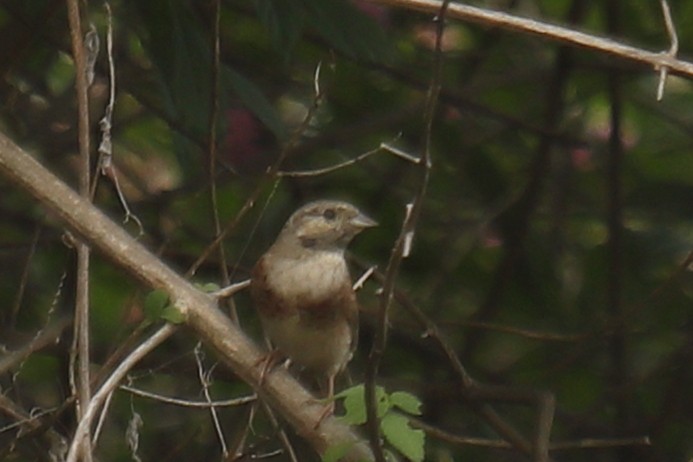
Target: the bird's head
pixel 325 225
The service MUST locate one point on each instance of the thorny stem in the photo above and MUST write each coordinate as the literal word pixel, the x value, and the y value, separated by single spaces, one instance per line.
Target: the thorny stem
pixel 402 245
pixel 560 34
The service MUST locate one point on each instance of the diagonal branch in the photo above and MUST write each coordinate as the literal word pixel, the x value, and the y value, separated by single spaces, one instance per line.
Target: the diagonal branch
pixel 556 33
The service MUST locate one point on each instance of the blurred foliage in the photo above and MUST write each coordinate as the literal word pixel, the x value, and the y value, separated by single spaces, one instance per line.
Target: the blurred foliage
pixel 514 258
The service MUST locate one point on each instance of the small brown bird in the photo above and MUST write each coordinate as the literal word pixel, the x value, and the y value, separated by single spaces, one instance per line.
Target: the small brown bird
pixel 302 289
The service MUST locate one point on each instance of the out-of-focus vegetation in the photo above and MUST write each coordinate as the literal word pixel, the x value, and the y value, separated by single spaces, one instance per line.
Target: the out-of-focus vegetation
pixel 548 259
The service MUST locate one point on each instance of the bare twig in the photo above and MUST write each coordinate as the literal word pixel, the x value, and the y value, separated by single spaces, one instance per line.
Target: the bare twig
pixel 567 36
pixel 597 443
pixel 103 413
pixel 673 48
pixel 81 325
pixel 525 333
pixel 387 147
pixel 27 423
pixel 14 311
pixel 105 149
pixel 364 277
pixel 230 290
pixel 402 246
pixel 82 432
pixel 283 437
pixel 214 97
pixel 44 337
pixel 187 403
pixel 323 171
pixel 205 380
pixel 588 443
pixel 459 440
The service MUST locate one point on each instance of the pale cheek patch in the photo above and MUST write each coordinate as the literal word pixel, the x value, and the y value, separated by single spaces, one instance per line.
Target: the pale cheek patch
pixel 314 229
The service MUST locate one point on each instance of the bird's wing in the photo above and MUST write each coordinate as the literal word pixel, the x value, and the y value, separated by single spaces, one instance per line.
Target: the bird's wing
pixel 267 302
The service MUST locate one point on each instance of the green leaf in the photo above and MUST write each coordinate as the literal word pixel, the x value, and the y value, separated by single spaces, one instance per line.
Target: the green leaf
pixel 347 29
pixel 355 390
pixel 383 401
pixel 172 315
pixel 154 304
pixel 408 441
pixel 284 20
pixel 406 402
pixel 176 42
pixel 355 404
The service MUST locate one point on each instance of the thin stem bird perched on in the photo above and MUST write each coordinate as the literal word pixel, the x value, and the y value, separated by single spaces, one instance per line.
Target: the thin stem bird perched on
pixel 302 289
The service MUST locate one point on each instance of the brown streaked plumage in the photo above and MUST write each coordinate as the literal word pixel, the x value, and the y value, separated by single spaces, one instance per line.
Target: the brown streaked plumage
pixel 302 289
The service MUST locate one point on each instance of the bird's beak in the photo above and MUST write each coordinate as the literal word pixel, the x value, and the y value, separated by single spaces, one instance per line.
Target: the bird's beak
pixel 362 221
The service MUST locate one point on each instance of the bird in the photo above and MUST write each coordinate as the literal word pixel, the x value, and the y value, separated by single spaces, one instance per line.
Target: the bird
pixel 302 290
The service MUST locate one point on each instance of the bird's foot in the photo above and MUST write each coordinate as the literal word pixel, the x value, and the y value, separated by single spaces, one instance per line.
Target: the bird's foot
pixel 326 412
pixel 268 361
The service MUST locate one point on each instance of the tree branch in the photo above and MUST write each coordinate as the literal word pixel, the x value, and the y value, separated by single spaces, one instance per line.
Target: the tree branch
pixel 564 35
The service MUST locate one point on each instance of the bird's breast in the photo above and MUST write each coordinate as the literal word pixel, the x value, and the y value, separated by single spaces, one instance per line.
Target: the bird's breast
pixel 308 280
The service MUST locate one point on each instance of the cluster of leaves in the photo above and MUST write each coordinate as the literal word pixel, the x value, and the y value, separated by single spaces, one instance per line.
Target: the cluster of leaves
pixel 391 411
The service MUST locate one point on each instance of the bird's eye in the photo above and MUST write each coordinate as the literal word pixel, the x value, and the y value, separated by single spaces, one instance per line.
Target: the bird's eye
pixel 329 214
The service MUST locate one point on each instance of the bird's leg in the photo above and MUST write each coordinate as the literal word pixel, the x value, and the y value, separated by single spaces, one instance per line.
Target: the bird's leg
pixel 329 407
pixel 268 361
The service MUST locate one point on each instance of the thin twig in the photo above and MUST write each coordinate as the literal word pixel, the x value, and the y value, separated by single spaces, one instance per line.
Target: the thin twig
pixel 102 419
pixel 228 291
pixel 81 325
pixel 402 245
pixel 673 48
pixel 451 438
pixel 204 377
pixel 112 382
pixel 363 278
pixel 587 443
pixel 597 443
pixel 214 97
pixel 187 403
pixel 323 171
pixel 283 437
pixel 43 338
pixel 387 147
pixel 26 424
pixel 525 333
pixel 105 161
pixel 24 278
